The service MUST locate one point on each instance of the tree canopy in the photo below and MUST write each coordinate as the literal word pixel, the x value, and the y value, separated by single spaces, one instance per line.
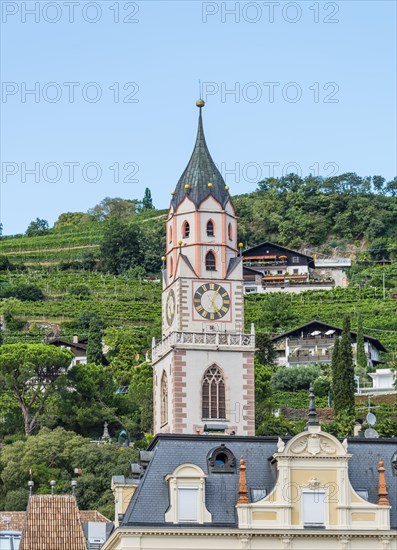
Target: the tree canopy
pixel 31 373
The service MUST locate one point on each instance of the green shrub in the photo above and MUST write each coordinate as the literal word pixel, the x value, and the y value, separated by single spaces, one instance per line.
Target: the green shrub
pixel 322 386
pixel 295 378
pixel 29 293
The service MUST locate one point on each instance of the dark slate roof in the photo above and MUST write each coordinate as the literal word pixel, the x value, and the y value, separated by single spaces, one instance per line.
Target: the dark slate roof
pixel 170 451
pixel 258 247
pixel 199 172
pixel 363 469
pixel 327 326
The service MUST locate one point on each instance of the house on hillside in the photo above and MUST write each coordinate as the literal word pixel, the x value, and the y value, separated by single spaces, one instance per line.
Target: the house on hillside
pixel 76 346
pixel 269 267
pixel 313 342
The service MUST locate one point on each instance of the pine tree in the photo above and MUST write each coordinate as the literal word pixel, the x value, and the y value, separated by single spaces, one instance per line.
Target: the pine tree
pixel 361 356
pixel 343 374
pixel 147 202
pixel 94 346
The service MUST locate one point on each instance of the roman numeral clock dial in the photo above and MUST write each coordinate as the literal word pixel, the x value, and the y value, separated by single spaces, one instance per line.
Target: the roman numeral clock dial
pixel 211 301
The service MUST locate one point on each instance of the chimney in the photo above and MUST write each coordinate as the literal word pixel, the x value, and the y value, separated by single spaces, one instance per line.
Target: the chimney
pixel 242 484
pixel 123 491
pixel 30 485
pixel 52 483
pixel 382 487
pixel 74 484
pixel 75 339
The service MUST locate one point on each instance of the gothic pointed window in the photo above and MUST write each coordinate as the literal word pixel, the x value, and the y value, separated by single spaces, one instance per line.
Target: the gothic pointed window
pixel 210 261
pixel 170 234
pixel 186 230
pixel 230 232
pixel 171 268
pixel 213 394
pixel 164 399
pixel 210 228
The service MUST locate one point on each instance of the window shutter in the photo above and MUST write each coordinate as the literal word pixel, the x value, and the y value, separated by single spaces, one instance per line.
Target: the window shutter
pixel 313 508
pixel 187 504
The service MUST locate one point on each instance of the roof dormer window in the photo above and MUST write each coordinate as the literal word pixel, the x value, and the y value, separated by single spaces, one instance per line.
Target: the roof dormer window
pixel 222 461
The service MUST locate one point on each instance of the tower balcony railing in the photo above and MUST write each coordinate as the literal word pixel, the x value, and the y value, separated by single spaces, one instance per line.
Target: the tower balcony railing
pixel 217 340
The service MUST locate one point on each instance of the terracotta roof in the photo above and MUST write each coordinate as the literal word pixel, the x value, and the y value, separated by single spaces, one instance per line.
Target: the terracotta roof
pixel 93 515
pixel 53 523
pixel 12 520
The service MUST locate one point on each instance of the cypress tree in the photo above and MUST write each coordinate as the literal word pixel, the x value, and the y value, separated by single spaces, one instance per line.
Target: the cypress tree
pixel 361 356
pixel 94 346
pixel 344 401
pixel 335 371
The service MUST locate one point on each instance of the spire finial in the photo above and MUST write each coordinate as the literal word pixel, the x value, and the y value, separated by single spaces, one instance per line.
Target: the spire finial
pixel 242 484
pixel 382 487
pixel 200 103
pixel 312 415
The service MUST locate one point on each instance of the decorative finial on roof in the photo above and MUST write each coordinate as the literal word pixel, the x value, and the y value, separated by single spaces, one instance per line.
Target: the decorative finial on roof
pixel 242 484
pixel 312 415
pixel 200 103
pixel 382 487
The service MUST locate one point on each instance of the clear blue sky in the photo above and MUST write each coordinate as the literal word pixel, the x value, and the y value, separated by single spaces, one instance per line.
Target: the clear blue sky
pixel 338 115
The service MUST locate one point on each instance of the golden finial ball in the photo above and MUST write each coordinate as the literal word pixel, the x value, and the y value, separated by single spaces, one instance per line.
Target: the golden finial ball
pixel 209 184
pixel 180 243
pixel 226 188
pixel 200 103
pixel 172 193
pixel 163 258
pixel 187 186
pixel 240 245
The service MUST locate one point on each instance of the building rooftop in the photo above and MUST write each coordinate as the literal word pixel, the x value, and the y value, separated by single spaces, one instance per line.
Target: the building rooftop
pixel 170 451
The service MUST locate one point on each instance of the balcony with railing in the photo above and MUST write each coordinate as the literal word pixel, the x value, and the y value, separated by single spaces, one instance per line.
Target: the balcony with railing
pixel 304 359
pixel 311 342
pixel 210 340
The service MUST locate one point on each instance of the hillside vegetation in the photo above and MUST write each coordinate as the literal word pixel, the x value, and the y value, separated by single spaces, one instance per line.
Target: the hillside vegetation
pixel 96 274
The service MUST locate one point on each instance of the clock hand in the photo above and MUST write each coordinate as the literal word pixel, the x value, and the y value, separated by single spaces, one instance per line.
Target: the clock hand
pixel 213 300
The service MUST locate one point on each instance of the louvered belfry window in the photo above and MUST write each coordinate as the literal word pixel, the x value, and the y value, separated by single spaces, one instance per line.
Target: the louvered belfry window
pixel 210 228
pixel 213 389
pixel 210 262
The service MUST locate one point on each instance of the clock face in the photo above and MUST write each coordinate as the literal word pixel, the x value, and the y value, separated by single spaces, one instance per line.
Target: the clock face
pixel 170 307
pixel 211 301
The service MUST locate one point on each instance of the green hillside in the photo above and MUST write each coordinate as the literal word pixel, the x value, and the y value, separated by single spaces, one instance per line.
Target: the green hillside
pixel 102 269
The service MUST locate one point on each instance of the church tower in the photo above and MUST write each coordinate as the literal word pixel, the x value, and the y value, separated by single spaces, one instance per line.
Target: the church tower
pixel 204 364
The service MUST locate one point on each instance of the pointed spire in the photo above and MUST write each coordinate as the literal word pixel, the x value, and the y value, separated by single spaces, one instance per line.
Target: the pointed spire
pixel 382 487
pixel 201 178
pixel 242 484
pixel 312 415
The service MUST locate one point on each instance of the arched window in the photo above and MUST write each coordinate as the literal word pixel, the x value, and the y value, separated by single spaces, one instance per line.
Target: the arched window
pixel 213 394
pixel 185 230
pixel 210 228
pixel 171 268
pixel 230 232
pixel 164 400
pixel 170 233
pixel 210 261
